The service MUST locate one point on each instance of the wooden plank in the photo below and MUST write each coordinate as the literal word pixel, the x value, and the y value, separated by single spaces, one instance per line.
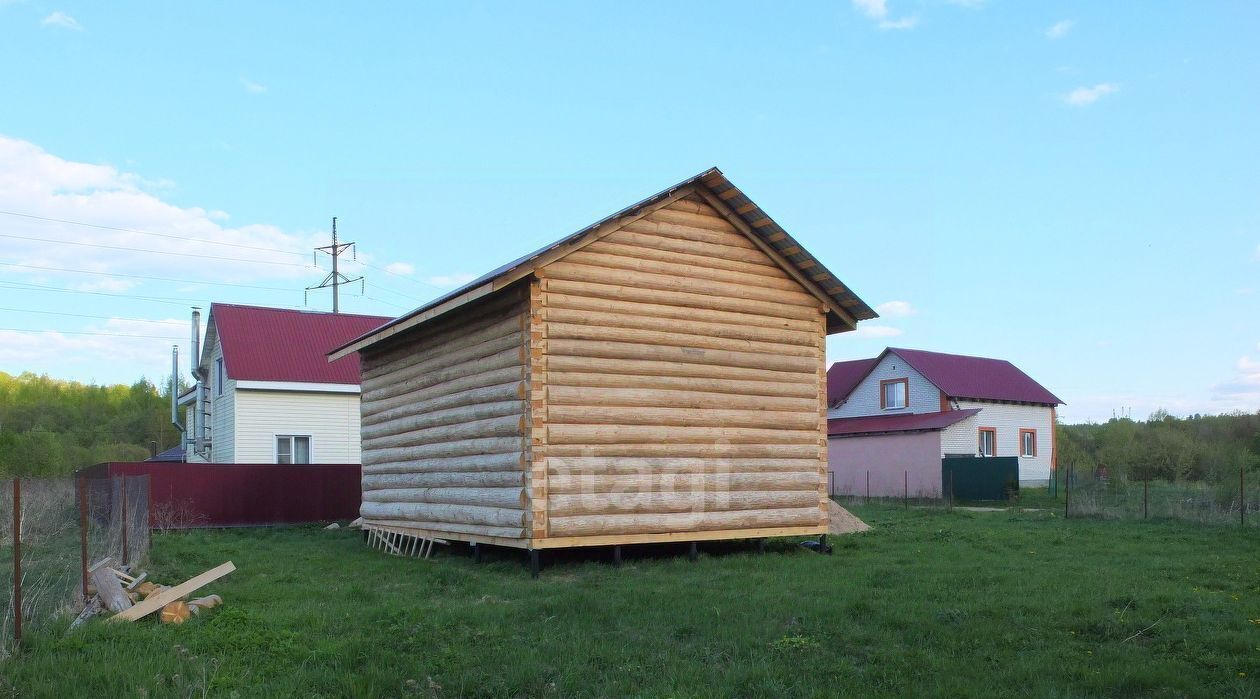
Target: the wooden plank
pixel 161 599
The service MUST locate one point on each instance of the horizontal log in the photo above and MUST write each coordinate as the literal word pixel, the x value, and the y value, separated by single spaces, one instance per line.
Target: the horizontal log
pixel 690 230
pixel 504 426
pixel 510 498
pixel 685 483
pixel 439 527
pixel 607 289
pixel 631 434
pixel 598 258
pixel 575 272
pixel 628 466
pixel 695 204
pixel 466 447
pixel 622 366
pixel 456 479
pixel 711 221
pixel 684 338
pixel 722 335
pixel 443 350
pixel 670 417
pixel 483 379
pixel 509 357
pixel 702 257
pixel 449 416
pixel 705 248
pixel 659 503
pixel 601 349
pixel 405 371
pixel 732 389
pixel 434 512
pixel 511 391
pixel 513 460
pixel 634 396
pixel 472 317
pixel 700 451
pixel 589 525
pixel 661 313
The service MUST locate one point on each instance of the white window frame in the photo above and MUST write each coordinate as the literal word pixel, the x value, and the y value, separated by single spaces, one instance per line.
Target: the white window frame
pixel 1030 432
pixel 980 442
pixel 219 376
pixel 905 397
pixel 275 448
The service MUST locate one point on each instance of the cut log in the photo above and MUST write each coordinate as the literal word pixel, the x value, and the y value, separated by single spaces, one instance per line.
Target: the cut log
pixel 513 390
pixel 417 479
pixel 466 447
pixel 450 416
pixel 507 461
pixel 591 525
pixel 155 602
pixel 631 434
pixel 669 417
pixel 510 498
pixel 685 483
pixel 662 503
pixel 683 338
pixel 604 349
pixel 657 311
pixel 729 390
pixel 606 318
pixel 682 299
pixel 110 589
pixel 701 450
pixel 431 512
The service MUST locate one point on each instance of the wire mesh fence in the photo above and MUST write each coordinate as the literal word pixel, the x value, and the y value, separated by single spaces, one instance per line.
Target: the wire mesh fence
pixel 51 531
pixel 1227 501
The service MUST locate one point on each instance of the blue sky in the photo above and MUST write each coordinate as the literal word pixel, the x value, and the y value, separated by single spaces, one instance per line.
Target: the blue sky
pixel 1071 186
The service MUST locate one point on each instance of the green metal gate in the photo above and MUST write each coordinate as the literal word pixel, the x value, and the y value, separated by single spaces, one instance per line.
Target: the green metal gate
pixel 980 478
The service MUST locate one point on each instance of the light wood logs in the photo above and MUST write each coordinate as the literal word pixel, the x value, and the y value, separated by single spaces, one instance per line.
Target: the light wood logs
pixel 557 330
pixel 606 317
pixel 473 396
pixel 510 357
pixel 607 289
pixel 632 465
pixel 432 512
pixel 655 434
pixel 591 525
pixel 610 396
pixel 596 257
pixel 730 389
pixel 372 405
pixel 655 311
pixel 507 498
pixel 452 527
pixel 466 447
pixel 638 351
pixel 688 483
pixel 713 450
pixel 481 461
pixel 449 479
pixel 670 417
pixel 439 418
pixel 663 502
pixel 503 426
pixel 669 368
pixel 574 272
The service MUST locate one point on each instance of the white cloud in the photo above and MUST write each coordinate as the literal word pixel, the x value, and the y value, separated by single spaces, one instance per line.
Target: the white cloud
pixel 877 10
pixel 908 22
pixel 895 309
pixel 1085 96
pixel 1058 30
pixel 1242 391
pixel 123 342
pixel 112 285
pixel 253 87
pixel 193 244
pixel 61 20
pixel 450 280
pixel 403 268
pixel 868 330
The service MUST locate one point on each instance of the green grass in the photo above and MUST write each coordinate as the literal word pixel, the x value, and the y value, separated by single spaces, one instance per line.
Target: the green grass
pixel 929 603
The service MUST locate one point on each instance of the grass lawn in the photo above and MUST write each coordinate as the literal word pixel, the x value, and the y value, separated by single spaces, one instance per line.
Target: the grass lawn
pixel 929 603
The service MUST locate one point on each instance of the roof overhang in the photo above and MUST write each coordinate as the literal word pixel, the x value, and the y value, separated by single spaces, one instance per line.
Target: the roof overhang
pixel 844 309
pixel 872 425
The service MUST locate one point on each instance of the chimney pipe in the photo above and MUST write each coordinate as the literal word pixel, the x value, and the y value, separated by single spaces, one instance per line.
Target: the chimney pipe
pixel 199 420
pixel 175 389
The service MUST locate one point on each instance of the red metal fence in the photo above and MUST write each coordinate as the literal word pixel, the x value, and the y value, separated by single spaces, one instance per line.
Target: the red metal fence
pixel 193 495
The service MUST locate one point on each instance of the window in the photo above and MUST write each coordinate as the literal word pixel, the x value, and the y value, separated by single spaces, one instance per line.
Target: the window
pixel 293 449
pixel 1027 442
pixel 988 441
pixel 893 393
pixel 219 377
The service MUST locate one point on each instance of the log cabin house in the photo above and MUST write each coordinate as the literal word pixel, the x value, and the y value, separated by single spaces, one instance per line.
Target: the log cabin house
pixel 659 376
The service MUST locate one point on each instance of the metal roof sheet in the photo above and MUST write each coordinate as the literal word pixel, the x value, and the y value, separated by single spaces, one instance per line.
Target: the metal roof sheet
pixel 882 424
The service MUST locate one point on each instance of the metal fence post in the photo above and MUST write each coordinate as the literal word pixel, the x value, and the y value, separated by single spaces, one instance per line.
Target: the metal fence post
pixel 83 536
pixel 1067 494
pixel 17 559
pixel 124 520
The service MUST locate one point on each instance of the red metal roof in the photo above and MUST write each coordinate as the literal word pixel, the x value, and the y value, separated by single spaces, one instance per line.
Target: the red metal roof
pixel 843 377
pixel 957 375
pixel 277 344
pixel 880 424
pixel 961 376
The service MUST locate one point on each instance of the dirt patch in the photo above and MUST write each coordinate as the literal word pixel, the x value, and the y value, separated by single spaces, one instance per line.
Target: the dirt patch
pixel 841 521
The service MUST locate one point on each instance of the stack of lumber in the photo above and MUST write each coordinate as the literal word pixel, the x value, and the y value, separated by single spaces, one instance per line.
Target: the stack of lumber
pixel 130 597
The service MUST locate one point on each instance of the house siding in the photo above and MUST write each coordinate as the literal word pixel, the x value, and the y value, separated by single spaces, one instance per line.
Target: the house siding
pixel 222 413
pixel 924 396
pixel 331 419
pixel 895 464
pixel 1007 419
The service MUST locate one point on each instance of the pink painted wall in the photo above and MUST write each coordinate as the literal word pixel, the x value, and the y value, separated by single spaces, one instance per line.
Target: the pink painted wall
pixel 889 459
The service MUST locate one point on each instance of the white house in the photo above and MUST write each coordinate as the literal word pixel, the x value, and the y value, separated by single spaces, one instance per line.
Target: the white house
pixel 269 393
pixel 909 406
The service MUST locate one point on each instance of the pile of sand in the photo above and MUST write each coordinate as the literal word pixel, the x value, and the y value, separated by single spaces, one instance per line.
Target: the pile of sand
pixel 841 521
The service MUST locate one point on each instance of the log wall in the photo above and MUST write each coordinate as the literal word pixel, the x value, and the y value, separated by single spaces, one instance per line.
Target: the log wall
pixel 444 415
pixel 678 387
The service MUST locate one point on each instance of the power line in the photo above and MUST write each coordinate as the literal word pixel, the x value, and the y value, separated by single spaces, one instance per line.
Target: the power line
pixel 28 286
pixel 141 276
pixel 85 332
pixel 160 235
pixel 84 315
pixel 155 252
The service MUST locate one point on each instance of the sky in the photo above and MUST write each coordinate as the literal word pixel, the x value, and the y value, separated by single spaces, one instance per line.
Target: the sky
pixel 1070 186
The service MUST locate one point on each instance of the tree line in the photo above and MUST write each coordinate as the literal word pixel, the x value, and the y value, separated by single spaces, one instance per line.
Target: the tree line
pixel 1163 447
pixel 50 427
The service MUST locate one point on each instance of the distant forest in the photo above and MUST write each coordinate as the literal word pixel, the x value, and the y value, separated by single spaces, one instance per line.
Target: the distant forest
pixel 1196 448
pixel 50 427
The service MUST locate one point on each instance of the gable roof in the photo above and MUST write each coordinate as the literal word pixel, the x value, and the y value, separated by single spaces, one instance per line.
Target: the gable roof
pixel 277 344
pixel 961 376
pixel 907 422
pixel 719 193
pixel 843 377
